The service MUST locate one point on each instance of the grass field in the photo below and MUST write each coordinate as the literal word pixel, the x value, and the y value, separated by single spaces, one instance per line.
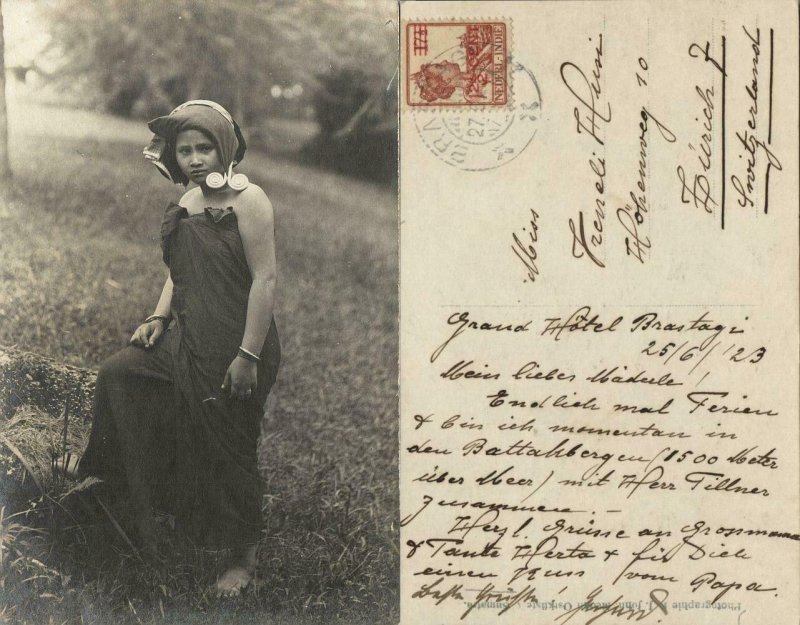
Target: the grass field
pixel 80 267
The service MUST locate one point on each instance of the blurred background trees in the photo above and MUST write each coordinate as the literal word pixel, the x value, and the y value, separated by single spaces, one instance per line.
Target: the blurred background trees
pixel 326 61
pixel 5 167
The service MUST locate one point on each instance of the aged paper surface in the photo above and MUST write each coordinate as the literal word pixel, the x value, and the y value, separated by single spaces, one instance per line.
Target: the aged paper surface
pixel 599 312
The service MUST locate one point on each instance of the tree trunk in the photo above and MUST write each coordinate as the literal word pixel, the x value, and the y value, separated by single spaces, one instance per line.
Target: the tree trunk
pixel 5 166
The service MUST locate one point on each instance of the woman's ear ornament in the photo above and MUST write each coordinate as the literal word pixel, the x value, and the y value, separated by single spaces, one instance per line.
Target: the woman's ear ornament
pixel 237 182
pixel 216 180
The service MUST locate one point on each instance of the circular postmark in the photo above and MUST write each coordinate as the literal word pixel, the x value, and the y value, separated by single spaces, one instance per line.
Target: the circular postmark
pixel 478 139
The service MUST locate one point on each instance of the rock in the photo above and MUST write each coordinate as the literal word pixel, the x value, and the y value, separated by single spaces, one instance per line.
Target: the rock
pixel 33 380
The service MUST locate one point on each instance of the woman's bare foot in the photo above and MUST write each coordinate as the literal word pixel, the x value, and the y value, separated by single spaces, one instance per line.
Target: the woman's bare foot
pixel 239 575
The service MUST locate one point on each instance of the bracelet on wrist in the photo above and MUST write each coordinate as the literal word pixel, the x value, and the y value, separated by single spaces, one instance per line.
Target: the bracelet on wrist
pixel 247 355
pixel 162 318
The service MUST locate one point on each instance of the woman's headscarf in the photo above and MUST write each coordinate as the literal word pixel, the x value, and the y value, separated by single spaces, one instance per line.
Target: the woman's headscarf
pixel 204 115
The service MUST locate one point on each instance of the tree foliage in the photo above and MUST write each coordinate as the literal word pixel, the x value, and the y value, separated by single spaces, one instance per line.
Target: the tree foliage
pixel 357 121
pixel 143 56
pixel 5 167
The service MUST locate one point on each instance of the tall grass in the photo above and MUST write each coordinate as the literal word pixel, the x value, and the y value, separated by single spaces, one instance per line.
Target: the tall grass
pixel 80 267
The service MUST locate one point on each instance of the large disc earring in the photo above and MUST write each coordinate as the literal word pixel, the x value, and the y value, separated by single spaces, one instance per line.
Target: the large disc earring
pixel 237 182
pixel 216 180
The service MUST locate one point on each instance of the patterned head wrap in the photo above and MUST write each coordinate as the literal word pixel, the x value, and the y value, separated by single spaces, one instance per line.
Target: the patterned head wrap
pixel 204 115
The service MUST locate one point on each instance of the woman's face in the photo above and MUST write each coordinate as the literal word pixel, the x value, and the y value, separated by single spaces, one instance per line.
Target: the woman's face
pixel 197 155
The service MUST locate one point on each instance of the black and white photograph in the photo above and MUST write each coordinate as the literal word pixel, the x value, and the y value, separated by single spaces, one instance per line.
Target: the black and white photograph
pixel 198 312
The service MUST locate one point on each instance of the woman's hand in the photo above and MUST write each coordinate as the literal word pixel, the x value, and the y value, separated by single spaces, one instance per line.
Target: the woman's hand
pixel 241 378
pixel 147 334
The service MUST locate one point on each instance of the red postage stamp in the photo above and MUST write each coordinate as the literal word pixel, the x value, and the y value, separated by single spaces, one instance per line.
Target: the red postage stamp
pixel 456 64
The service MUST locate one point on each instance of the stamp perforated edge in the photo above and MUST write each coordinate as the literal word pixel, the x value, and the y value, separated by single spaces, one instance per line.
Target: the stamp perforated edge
pixel 441 108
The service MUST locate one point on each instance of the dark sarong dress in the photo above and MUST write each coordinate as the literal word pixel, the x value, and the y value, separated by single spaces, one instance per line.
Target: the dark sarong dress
pixel 164 433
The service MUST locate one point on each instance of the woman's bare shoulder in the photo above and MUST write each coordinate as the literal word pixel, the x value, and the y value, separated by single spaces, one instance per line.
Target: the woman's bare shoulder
pixel 189 197
pixel 253 201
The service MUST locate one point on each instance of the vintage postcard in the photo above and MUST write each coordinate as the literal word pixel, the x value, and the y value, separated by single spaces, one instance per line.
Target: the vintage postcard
pixel 599 313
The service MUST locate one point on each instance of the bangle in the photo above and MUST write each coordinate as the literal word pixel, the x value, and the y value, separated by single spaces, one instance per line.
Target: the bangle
pixel 164 319
pixel 248 355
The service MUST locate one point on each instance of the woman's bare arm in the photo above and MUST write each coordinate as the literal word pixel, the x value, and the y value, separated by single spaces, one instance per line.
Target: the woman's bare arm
pixel 257 230
pixel 256 226
pixel 148 333
pixel 165 301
